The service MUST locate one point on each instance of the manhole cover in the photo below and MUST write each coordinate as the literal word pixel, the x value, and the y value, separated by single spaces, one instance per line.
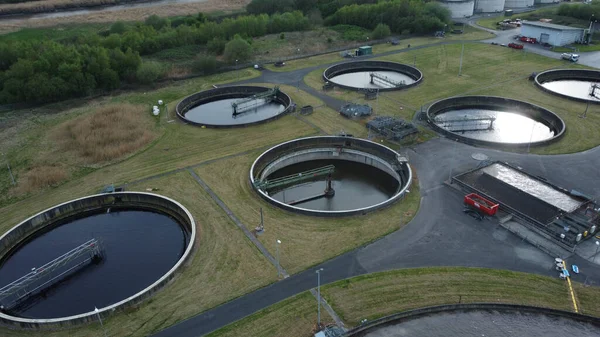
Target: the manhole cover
pixel 479 156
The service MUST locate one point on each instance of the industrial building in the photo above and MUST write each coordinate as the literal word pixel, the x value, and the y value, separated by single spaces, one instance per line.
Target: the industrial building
pixel 489 6
pixel 555 35
pixel 518 3
pixel 460 9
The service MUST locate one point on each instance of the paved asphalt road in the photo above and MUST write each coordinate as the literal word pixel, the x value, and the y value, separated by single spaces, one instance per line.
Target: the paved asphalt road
pixel 439 235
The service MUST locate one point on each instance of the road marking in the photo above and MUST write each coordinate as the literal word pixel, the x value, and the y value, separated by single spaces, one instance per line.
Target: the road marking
pixel 571 289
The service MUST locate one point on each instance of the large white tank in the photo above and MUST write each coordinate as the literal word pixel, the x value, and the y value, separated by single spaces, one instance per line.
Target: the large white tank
pixel 518 3
pixel 490 6
pixel 460 8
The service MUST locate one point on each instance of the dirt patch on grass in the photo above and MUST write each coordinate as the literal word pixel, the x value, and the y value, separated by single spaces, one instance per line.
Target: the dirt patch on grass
pixel 41 177
pixel 107 135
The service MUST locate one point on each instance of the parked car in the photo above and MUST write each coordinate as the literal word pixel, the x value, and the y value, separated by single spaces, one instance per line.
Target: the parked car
pixel 515 45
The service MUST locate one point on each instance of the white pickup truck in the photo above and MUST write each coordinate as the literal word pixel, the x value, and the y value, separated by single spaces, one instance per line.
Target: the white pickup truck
pixel 570 57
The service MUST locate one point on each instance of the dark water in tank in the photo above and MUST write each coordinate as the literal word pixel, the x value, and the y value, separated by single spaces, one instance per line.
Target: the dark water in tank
pixel 508 127
pixel 574 88
pixel 221 112
pixel 356 185
pixel 362 79
pixel 488 324
pixel 140 246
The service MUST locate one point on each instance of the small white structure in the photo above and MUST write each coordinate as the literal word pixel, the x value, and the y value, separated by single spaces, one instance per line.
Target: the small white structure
pixel 160 102
pixel 155 110
pixel 460 8
pixel 555 35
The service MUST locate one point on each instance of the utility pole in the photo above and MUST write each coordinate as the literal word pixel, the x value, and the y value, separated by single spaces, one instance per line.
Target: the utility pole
pixel 377 104
pixel 461 60
pixel 278 264
pixel 319 297
pixel 12 178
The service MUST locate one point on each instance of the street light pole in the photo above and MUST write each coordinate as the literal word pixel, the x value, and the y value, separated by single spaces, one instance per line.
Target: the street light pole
pixel 278 265
pixel 597 246
pixel 319 297
pixel 100 319
pixel 238 70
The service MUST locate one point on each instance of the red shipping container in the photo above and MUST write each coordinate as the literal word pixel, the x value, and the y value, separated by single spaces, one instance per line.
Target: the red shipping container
pixel 481 204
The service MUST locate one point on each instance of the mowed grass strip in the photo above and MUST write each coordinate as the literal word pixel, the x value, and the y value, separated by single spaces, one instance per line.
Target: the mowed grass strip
pixel 225 265
pixel 295 316
pixel 380 294
pixel 588 298
pixel 306 240
pixel 470 34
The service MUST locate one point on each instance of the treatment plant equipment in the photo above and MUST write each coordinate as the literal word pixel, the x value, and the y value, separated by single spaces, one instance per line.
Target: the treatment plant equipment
pixel 331 176
pixel 494 121
pixel 52 267
pixel 234 106
pixel 372 75
pixel 575 84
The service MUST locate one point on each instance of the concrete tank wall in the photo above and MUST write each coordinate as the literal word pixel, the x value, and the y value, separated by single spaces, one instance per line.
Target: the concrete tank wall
pixel 226 92
pixel 518 3
pixel 489 6
pixel 51 216
pixel 567 74
pixel 348 67
pixel 360 150
pixel 460 9
pixel 542 115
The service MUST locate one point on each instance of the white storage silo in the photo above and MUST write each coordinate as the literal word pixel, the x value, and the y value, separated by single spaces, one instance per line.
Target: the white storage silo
pixel 546 1
pixel 490 6
pixel 460 8
pixel 518 3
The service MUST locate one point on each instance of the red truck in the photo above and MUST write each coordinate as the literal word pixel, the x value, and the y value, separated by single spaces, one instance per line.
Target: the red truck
pixel 515 45
pixel 480 203
pixel 528 39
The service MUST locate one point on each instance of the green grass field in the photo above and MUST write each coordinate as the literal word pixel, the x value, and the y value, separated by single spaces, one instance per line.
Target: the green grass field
pixel 381 294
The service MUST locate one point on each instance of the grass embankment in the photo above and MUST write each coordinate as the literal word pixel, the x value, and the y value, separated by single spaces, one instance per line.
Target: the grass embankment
pixel 295 316
pixel 306 241
pixel 225 265
pixel 470 34
pixel 381 294
pixel 486 70
pixel 28 143
pixel 109 134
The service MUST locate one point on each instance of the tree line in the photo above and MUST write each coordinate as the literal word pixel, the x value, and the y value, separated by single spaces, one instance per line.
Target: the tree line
pixel 580 11
pixel 41 71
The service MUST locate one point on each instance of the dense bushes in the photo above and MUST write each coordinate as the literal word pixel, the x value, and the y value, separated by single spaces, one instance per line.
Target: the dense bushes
pixel 580 11
pixel 46 71
pixel 399 15
pixel 381 31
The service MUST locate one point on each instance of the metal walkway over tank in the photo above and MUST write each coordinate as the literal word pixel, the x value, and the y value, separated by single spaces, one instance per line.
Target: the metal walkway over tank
pixel 386 80
pixel 254 101
pixel 464 124
pixel 593 89
pixel 52 272
pixel 295 178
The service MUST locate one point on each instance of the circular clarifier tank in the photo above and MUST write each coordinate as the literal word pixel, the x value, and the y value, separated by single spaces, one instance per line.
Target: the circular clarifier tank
pixel 497 322
pixel 378 75
pixel 234 106
pixel 493 121
pixel 104 251
pixel 576 84
pixel 330 176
